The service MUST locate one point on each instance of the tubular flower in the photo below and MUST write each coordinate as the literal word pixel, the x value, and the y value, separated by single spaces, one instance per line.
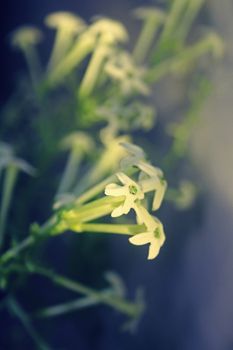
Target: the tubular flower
pixel 130 189
pixel 154 236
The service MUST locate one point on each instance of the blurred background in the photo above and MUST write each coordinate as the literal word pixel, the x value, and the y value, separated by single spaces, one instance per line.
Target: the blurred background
pixel 189 287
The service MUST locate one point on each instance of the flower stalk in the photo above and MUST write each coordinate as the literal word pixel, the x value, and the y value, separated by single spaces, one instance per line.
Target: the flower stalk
pixel 83 46
pixel 8 187
pixel 70 171
pixel 126 307
pixel 183 60
pixel 110 228
pixel 67 27
pixel 153 18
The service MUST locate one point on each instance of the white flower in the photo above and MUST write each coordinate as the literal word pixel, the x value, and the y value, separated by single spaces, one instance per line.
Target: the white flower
pixel 26 36
pixel 130 189
pixel 152 180
pixel 154 236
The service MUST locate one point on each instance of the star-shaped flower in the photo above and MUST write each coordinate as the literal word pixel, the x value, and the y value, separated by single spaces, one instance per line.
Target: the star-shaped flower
pixel 154 236
pixel 130 189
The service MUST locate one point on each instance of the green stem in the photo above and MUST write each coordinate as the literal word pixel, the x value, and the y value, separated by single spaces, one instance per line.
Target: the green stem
pixel 70 173
pixel 182 60
pixel 13 252
pixel 188 18
pixel 72 306
pixel 112 228
pixel 17 310
pixel 80 50
pixel 105 165
pixel 95 190
pixel 97 203
pixel 61 45
pixel 33 65
pixel 183 131
pixel 8 186
pixel 129 308
pixel 90 211
pixel 72 219
pixel 173 19
pixel 145 39
pixel 93 70
pixel 29 241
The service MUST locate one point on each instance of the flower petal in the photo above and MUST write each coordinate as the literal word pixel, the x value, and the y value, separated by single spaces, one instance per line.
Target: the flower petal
pixel 117 211
pixel 154 249
pixel 144 217
pixel 128 204
pixel 133 150
pixel 162 236
pixel 150 169
pixel 158 197
pixel 124 179
pixel 114 190
pixel 142 238
pixel 128 162
pixel 150 184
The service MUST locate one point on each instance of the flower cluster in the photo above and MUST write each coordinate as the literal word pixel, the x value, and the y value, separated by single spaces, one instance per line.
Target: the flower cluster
pixel 150 179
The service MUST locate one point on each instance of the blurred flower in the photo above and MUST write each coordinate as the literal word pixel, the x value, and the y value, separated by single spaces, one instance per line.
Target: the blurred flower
pixel 108 160
pixel 130 189
pixel 26 36
pixel 216 44
pixel 68 26
pixel 130 77
pixel 108 30
pixel 129 116
pixel 184 196
pixel 152 19
pixel 65 21
pixel 8 159
pixel 79 144
pixel 25 39
pixel 78 141
pixel 107 33
pixel 188 193
pixel 135 155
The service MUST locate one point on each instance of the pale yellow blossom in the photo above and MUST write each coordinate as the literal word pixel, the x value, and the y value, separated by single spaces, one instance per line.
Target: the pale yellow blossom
pixel 130 189
pixel 154 235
